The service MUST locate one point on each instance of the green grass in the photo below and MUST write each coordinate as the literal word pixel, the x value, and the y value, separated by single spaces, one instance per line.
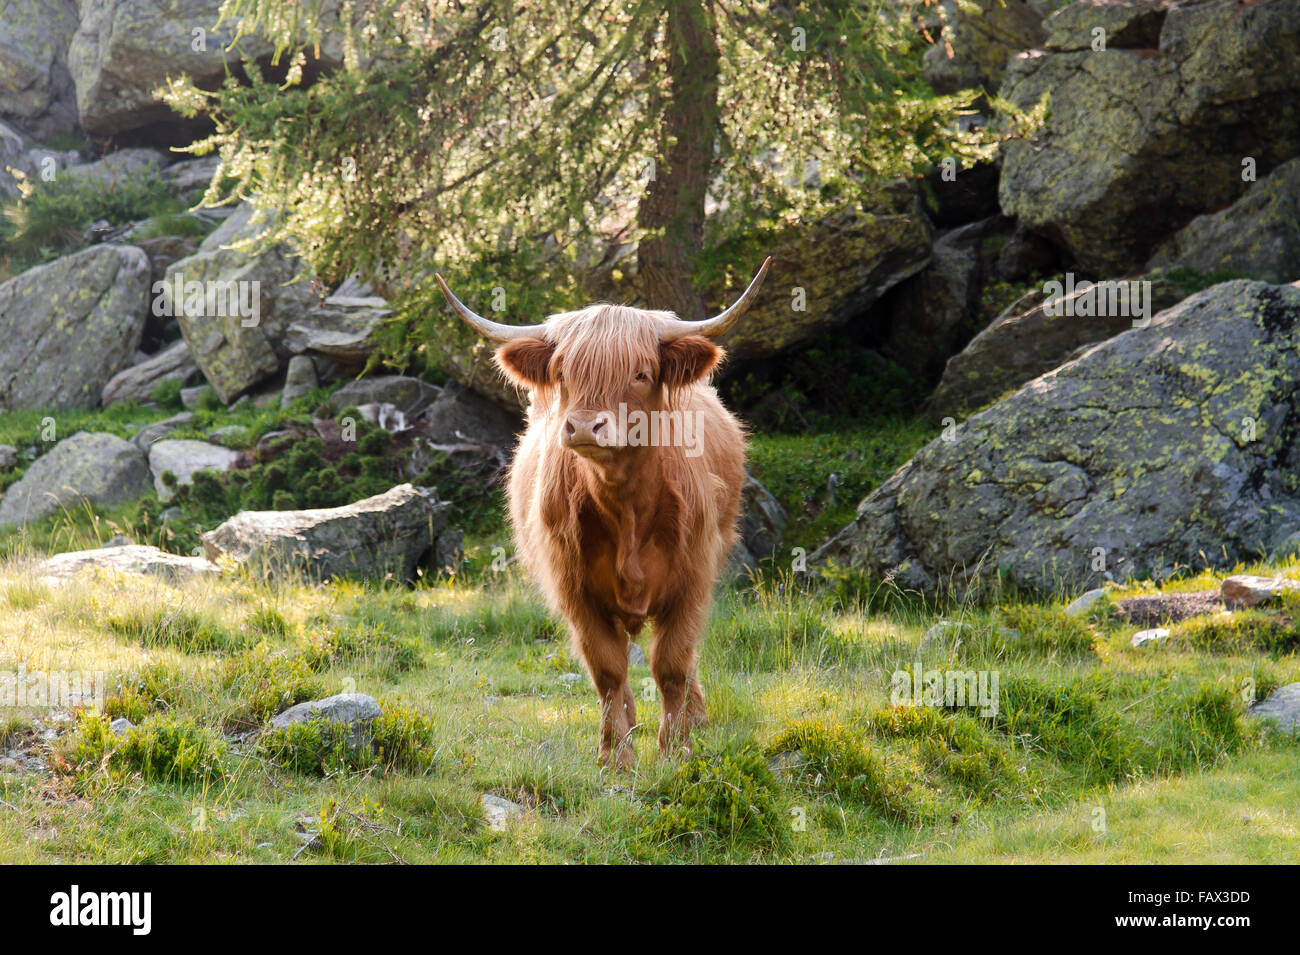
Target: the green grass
pixel 805 758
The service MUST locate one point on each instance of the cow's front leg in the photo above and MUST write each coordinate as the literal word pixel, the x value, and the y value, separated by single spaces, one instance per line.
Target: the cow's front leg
pixel 672 661
pixel 604 649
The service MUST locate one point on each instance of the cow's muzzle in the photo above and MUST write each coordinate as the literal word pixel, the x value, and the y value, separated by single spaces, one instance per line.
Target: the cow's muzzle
pixel 588 431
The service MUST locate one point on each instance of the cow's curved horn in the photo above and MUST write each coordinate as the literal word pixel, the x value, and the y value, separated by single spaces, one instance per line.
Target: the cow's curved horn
pixel 713 327
pixel 489 329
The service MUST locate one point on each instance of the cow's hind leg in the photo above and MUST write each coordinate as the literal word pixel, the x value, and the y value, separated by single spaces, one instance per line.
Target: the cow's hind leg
pixel 672 661
pixel 604 650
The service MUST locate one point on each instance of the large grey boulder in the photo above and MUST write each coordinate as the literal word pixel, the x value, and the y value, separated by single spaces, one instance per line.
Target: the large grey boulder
pixel 978 38
pixel 1139 138
pixel 101 469
pixel 183 458
pixel 130 559
pixel 235 348
pixel 36 89
pixel 137 382
pixel 344 331
pixel 1038 332
pixel 1169 443
pixel 1258 236
pixel 67 327
pixel 380 538
pixel 124 50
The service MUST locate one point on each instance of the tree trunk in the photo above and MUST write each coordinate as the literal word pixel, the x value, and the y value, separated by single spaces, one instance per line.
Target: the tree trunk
pixel 673 205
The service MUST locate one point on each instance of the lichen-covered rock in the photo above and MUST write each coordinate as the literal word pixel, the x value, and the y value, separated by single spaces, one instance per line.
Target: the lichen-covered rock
pixel 824 275
pixel 978 38
pixel 1036 333
pixel 67 327
pixel 237 351
pixel 1258 236
pixel 137 382
pixel 1248 590
pixel 1140 140
pixel 183 458
pixel 341 331
pixel 380 538
pixel 130 559
pixel 100 469
pixel 1169 443
pixel 36 89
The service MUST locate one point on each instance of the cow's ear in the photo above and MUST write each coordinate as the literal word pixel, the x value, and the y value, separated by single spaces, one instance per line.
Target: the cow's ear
pixel 686 360
pixel 526 361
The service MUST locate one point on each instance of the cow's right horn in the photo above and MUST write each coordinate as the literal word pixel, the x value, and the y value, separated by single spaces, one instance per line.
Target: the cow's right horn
pixel 489 329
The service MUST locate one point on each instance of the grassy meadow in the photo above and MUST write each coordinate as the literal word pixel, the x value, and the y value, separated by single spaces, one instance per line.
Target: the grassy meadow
pixel 1099 752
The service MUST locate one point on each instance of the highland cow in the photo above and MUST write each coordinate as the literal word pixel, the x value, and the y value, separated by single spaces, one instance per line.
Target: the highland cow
pixel 624 492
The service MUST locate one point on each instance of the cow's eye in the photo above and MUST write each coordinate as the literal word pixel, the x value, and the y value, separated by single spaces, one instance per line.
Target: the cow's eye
pixel 642 376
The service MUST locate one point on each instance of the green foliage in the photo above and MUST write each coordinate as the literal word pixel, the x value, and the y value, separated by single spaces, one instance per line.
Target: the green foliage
pixel 834 759
pixel 165 748
pixel 265 682
pixel 442 152
pixel 388 653
pixel 1068 723
pixel 51 217
pixel 399 740
pixel 797 470
pixel 726 795
pixel 162 625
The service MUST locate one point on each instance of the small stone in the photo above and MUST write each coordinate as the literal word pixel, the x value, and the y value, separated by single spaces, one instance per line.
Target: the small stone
pixel 1084 602
pixel 498 812
pixel 121 726
pixel 8 456
pixel 635 655
pixel 1245 590
pixel 1143 637
pixel 570 679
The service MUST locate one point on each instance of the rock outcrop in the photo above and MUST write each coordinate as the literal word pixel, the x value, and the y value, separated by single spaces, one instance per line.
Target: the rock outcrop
pixel 1258 236
pixel 1141 137
pixel 1169 443
pixel 385 537
pixel 67 327
pixel 99 469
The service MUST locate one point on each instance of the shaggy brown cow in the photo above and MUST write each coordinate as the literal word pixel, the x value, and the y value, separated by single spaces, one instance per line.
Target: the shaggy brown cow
pixel 624 492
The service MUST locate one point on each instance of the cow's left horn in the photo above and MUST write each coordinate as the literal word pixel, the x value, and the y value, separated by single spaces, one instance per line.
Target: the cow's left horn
pixel 713 327
pixel 485 326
